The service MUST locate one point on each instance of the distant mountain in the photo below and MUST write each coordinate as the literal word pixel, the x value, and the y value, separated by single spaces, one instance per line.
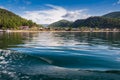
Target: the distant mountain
pixel 112 15
pixel 92 22
pixel 110 20
pixel 79 23
pixel 61 23
pixel 13 21
pixel 98 22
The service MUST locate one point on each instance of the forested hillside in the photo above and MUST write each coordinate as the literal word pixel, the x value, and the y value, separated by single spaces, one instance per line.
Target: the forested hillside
pixel 113 15
pixel 110 20
pixel 61 23
pixel 98 22
pixel 9 20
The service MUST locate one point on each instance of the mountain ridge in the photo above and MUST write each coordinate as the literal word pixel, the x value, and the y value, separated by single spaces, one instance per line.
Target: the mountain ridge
pixel 106 21
pixel 62 23
pixel 112 15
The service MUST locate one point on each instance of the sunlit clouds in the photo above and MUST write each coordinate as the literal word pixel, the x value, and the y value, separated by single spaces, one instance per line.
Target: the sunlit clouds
pixel 55 13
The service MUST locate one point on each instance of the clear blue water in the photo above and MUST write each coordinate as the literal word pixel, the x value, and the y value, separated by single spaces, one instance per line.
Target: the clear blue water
pixel 60 56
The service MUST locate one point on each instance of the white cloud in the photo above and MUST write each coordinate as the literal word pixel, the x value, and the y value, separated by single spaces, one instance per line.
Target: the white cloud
pixel 54 14
pixel 76 14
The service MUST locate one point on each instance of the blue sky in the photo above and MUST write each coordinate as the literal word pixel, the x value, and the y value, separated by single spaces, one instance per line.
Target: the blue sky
pixel 48 11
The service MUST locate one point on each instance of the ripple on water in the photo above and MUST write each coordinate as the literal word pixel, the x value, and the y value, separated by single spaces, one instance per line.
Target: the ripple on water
pixel 61 56
pixel 27 66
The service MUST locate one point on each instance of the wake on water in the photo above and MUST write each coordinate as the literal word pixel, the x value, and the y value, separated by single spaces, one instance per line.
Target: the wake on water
pixel 15 65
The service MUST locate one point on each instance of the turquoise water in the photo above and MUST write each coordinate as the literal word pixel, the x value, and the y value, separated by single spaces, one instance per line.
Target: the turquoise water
pixel 60 56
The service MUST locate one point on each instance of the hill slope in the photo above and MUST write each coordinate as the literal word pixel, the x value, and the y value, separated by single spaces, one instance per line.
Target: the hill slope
pixel 93 22
pixel 12 21
pixel 99 22
pixel 112 15
pixel 61 23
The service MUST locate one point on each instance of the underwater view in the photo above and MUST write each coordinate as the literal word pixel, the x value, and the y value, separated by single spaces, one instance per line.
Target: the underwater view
pixel 60 56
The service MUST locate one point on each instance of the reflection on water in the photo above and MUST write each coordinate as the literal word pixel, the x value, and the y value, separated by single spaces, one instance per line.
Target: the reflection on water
pixel 60 55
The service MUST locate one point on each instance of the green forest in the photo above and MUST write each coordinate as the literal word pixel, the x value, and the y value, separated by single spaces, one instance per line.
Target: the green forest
pixel 9 20
pixel 98 22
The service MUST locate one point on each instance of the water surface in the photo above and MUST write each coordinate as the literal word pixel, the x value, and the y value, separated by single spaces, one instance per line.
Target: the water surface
pixel 60 56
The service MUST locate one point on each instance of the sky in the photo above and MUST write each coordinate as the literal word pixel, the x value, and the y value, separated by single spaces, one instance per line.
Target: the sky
pixel 49 11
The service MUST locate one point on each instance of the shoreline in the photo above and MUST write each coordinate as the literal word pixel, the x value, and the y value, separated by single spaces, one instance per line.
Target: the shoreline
pixel 31 31
pixel 55 31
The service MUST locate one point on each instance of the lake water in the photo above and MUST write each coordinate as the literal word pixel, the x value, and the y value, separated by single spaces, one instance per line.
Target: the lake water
pixel 60 56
